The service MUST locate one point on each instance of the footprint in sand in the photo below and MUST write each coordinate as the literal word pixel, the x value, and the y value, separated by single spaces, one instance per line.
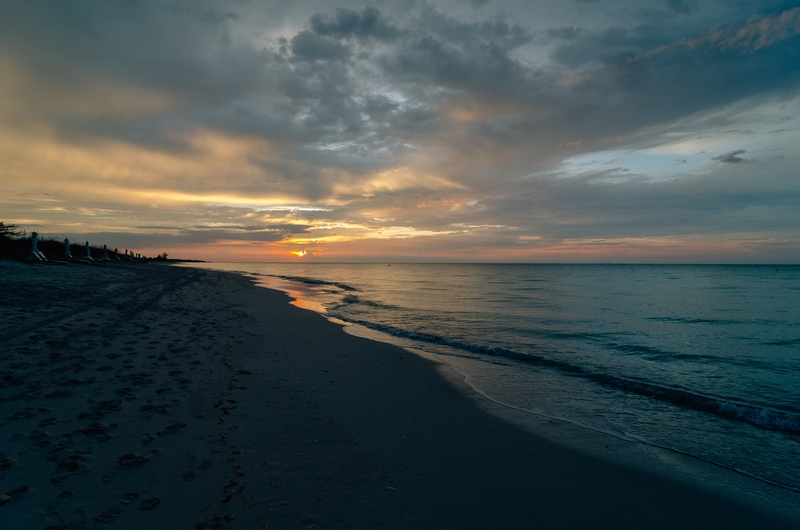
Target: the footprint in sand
pixel 149 504
pixel 175 426
pixel 59 394
pixel 129 498
pixel 108 515
pixel 6 463
pixel 39 439
pixel 24 414
pixel 14 494
pixel 133 459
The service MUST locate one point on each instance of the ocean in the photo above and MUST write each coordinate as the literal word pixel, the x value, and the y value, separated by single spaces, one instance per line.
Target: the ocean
pixel 698 360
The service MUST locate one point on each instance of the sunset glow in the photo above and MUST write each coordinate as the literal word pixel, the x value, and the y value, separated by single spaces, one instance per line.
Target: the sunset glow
pixel 452 131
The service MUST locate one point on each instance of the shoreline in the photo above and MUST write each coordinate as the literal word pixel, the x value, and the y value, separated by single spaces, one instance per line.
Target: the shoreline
pixel 644 454
pixel 285 422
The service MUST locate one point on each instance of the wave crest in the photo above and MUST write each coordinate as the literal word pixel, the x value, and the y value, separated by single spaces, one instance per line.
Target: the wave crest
pixel 315 281
pixel 760 417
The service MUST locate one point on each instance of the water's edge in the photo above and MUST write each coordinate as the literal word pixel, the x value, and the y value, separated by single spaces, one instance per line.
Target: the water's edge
pixel 625 450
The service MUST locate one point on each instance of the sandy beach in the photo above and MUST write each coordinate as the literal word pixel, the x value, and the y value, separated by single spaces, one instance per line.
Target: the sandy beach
pixel 150 396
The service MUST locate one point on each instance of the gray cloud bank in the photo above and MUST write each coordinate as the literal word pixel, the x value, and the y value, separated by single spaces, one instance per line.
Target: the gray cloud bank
pixel 732 157
pixel 489 99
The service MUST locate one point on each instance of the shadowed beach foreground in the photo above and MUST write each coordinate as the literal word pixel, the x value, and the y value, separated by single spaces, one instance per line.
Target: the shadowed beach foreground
pixel 148 396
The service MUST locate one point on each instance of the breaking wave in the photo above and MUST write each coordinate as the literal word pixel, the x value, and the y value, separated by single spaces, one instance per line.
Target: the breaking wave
pixel 314 281
pixel 763 418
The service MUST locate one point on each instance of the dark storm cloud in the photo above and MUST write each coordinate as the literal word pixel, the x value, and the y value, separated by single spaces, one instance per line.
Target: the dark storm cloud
pixel 323 99
pixel 732 157
pixel 678 83
pixel 476 57
pixel 432 51
pixel 369 23
pixel 310 46
pixel 317 74
pixel 478 60
pixel 642 76
pixel 681 6
pixel 609 47
pixel 602 205
pixel 321 69
pixel 566 33
pixel 217 18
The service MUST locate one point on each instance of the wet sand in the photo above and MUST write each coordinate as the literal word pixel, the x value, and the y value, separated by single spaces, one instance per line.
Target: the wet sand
pixel 148 396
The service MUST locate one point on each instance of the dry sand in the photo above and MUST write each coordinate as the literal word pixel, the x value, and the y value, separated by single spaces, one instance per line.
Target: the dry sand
pixel 148 396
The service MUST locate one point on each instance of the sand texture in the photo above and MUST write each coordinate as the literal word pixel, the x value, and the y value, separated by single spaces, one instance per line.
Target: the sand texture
pixel 148 396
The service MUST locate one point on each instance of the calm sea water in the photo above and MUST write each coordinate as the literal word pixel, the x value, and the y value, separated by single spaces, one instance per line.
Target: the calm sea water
pixel 702 360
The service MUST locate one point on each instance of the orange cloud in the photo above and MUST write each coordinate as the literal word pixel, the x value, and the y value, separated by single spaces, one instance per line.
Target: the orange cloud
pixel 465 112
pixel 564 79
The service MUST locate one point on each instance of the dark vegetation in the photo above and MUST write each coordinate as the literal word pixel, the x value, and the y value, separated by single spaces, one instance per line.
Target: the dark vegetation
pixel 15 244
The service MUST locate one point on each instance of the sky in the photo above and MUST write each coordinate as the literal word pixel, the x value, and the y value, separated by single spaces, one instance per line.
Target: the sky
pixel 460 130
